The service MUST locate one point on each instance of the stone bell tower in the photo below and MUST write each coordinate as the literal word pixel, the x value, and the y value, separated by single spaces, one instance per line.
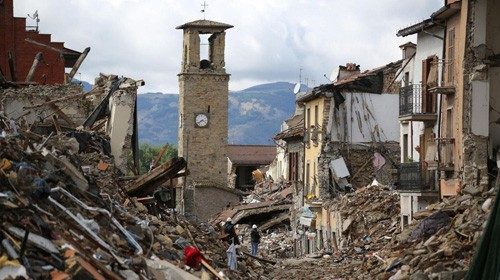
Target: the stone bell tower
pixel 203 105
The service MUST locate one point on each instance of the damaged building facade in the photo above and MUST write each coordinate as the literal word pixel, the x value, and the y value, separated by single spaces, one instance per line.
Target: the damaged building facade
pixel 344 122
pixel 448 93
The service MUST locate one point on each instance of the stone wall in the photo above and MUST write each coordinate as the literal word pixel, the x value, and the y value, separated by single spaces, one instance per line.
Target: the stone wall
pixel 209 200
pixel 205 149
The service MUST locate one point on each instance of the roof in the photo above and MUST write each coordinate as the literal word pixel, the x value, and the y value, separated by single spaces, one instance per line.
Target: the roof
pixel 251 154
pixel 203 23
pixel 438 16
pixel 412 29
pixel 368 81
pixel 408 44
pixel 295 128
pixel 447 11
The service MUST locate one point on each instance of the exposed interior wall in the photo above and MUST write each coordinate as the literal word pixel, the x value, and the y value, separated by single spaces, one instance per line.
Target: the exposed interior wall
pixel 374 117
pixel 14 102
pixel 120 126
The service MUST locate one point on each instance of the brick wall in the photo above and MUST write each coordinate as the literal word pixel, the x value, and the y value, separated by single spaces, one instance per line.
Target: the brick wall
pixel 13 37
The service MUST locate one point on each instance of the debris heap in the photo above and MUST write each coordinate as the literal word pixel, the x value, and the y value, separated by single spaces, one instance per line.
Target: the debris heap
pixel 439 244
pixel 67 210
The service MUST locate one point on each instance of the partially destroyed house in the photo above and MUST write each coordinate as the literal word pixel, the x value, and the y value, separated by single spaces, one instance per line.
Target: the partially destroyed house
pixel 351 138
pixel 66 109
pixel 448 111
pixel 30 56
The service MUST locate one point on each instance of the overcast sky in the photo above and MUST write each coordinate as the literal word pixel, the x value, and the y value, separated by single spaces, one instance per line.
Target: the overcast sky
pixel 271 39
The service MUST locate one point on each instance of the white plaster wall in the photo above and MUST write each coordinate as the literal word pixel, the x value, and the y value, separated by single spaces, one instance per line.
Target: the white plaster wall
pixel 120 126
pixel 382 114
pixel 427 46
pixel 480 108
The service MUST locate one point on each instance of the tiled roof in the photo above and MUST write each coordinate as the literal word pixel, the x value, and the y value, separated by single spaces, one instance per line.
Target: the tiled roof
pixel 251 154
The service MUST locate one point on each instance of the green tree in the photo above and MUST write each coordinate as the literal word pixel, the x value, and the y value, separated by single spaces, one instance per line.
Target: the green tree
pixel 148 153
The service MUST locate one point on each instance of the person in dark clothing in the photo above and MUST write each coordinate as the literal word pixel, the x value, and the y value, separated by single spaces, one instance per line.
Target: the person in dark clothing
pixel 255 240
pixel 231 232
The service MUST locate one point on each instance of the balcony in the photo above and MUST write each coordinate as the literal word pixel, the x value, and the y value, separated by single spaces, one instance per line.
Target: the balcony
pixel 446 84
pixel 412 178
pixel 410 105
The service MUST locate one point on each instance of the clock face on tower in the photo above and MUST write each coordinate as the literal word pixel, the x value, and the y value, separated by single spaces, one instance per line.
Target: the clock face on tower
pixel 201 120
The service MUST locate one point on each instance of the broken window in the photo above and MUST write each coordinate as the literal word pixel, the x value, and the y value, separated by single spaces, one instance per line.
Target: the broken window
pixel 405 220
pixel 293 167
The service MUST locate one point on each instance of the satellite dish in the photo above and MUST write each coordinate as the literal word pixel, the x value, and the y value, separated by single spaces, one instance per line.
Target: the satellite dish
pixel 334 74
pixel 296 89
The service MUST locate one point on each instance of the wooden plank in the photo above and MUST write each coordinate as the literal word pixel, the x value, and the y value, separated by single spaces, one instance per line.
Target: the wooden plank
pixel 148 182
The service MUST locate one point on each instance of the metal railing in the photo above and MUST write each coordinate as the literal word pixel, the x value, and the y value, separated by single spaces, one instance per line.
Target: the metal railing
pixel 410 176
pixel 410 100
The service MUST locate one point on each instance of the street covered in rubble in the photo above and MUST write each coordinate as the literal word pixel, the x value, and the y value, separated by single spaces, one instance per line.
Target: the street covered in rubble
pixel 389 172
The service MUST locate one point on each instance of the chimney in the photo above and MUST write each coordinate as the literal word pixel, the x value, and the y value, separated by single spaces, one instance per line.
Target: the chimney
pixel 348 70
pixel 408 49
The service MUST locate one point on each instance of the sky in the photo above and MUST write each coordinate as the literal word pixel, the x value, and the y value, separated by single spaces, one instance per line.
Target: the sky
pixel 271 39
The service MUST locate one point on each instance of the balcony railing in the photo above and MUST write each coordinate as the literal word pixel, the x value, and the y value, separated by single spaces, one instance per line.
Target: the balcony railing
pixel 411 177
pixel 410 105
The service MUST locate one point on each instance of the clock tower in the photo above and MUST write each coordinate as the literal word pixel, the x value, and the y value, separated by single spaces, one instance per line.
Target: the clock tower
pixel 203 106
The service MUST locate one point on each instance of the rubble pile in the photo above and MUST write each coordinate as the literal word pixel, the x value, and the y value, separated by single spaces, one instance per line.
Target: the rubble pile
pixel 368 217
pixel 65 214
pixel 276 243
pixel 439 244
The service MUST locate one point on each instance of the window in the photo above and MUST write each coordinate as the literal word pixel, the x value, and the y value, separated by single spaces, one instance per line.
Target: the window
pixel 451 56
pixel 405 220
pixel 407 78
pixel 308 167
pixel 316 116
pixel 314 176
pixel 449 123
pixel 405 148
pixel 293 160
pixel 308 118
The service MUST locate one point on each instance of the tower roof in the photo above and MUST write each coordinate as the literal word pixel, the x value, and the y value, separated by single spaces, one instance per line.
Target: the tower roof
pixel 203 23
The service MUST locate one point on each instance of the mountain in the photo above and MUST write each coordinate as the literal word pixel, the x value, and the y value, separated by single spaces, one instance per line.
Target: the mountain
pixel 255 114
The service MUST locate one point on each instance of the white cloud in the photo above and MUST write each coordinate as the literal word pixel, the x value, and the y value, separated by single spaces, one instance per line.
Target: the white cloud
pixel 270 41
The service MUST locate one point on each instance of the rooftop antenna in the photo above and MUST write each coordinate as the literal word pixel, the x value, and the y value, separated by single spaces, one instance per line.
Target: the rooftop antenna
pixel 37 20
pixel 300 74
pixel 204 8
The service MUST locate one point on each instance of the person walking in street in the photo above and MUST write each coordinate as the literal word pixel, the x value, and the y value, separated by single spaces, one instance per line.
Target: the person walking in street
pixel 255 240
